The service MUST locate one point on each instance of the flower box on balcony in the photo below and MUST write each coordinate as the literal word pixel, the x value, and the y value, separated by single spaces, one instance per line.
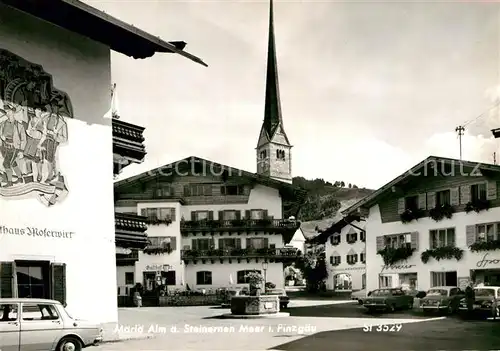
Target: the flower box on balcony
pixel 477 206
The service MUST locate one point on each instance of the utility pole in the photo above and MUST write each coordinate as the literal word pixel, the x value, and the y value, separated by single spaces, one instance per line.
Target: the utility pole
pixel 494 158
pixel 460 130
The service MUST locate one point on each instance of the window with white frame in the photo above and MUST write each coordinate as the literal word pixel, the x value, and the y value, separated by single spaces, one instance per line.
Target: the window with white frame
pixel 352 258
pixel 257 214
pixel 442 238
pixel 201 215
pixel 444 279
pixel 478 192
pixel 397 240
pixel 230 215
pixel 487 232
pixel 161 213
pixel 443 197
pixel 385 281
pixel 335 260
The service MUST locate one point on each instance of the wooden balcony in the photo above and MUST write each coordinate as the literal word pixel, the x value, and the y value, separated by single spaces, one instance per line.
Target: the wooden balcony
pixel 130 231
pixel 127 260
pixel 128 144
pixel 268 254
pixel 240 225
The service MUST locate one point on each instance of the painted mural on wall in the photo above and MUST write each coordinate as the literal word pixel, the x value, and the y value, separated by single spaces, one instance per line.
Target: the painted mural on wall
pixel 32 128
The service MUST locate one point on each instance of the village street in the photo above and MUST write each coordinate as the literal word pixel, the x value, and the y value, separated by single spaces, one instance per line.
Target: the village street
pixel 312 324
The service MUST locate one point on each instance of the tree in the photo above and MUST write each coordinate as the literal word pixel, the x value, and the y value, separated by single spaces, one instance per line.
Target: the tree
pixel 354 186
pixel 342 184
pixel 350 185
pixel 313 266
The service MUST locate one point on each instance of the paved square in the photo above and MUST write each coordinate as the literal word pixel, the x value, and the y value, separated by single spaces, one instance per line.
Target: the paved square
pixel 196 328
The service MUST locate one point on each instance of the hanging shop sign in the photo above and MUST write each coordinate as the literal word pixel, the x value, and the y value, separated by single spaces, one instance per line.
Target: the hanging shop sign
pixel 158 267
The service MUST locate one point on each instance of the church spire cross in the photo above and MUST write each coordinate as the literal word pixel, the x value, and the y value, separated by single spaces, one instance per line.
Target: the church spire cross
pixel 272 110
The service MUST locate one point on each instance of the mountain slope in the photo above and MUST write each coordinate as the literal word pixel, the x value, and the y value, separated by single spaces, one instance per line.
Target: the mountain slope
pixel 324 202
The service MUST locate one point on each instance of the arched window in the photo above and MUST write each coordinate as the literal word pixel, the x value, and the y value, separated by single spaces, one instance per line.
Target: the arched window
pixel 204 278
pixel 241 275
pixel 280 154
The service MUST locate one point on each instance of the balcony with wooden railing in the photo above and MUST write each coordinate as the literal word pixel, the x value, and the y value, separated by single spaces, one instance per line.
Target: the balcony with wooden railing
pixel 127 259
pixel 128 144
pixel 272 254
pixel 240 225
pixel 130 231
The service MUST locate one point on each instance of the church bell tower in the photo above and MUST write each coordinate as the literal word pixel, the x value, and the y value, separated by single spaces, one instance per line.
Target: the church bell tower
pixel 274 151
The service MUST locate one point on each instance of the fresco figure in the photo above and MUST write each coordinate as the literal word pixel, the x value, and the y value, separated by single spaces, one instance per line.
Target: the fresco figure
pixel 56 133
pixel 36 134
pixel 13 138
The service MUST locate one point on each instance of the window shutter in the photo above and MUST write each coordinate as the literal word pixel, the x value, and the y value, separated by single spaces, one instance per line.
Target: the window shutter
pixel 355 258
pixel 431 200
pixel 422 201
pixel 380 243
pixel 266 243
pixel 355 237
pixel 266 215
pixel 193 215
pixel 238 243
pixel 339 238
pixel 221 215
pixel 454 196
pixel 414 240
pixel 470 235
pixel 212 243
pixel 249 243
pixel 221 244
pixel 211 215
pixel 491 192
pixel 59 282
pixel 6 279
pixel 464 194
pixel 248 214
pixel 238 214
pixel 173 242
pixel 340 259
pixel 331 260
pixel 194 243
pixel 401 205
pixel 331 239
pixel 186 190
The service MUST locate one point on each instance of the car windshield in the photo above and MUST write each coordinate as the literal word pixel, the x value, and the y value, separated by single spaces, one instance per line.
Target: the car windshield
pixel 437 292
pixel 484 292
pixel 381 292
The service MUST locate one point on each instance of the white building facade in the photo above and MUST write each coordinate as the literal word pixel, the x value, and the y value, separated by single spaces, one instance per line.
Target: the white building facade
pixel 55 155
pixel 208 233
pixel 345 252
pixel 434 250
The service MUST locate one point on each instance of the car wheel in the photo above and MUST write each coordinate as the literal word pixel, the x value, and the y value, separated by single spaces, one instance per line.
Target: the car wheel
pixel 410 305
pixel 450 309
pixel 360 302
pixel 70 343
pixel 391 308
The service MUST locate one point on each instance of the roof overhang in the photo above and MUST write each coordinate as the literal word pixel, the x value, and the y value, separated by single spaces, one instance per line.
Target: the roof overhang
pixel 335 228
pixel 496 133
pixel 289 193
pixel 90 22
pixel 431 166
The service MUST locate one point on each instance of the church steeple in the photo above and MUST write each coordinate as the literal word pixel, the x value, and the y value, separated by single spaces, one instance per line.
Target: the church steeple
pixel 273 147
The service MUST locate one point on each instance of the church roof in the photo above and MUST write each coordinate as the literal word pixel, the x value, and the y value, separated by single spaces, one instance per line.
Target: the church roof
pixel 273 120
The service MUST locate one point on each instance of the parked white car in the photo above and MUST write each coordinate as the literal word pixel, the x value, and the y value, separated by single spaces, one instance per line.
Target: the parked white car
pixel 37 324
pixel 359 295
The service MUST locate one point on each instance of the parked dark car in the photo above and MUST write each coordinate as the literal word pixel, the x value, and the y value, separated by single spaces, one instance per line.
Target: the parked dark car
pixel 485 303
pixel 388 300
pixel 442 299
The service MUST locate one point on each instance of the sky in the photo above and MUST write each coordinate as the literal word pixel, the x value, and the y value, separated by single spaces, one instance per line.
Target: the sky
pixel 368 89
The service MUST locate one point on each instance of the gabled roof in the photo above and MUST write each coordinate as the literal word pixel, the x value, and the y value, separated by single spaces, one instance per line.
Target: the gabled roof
pixel 90 22
pixel 432 165
pixel 335 228
pixel 288 191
